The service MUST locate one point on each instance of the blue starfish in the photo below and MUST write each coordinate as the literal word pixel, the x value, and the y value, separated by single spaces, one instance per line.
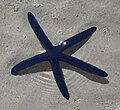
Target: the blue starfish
pixel 54 54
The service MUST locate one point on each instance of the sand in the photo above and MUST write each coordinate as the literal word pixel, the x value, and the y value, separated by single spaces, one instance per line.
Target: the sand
pixel 60 19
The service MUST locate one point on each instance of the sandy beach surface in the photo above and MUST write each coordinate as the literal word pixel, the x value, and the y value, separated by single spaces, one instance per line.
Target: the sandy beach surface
pixel 60 19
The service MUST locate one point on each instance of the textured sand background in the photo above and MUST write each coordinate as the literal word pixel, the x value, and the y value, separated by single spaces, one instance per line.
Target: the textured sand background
pixel 60 19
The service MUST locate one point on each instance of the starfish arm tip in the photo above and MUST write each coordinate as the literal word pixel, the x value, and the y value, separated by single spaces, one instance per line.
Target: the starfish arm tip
pixel 105 74
pixel 13 71
pixel 29 13
pixel 93 29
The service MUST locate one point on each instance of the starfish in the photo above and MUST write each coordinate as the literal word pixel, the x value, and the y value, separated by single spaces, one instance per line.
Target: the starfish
pixel 54 54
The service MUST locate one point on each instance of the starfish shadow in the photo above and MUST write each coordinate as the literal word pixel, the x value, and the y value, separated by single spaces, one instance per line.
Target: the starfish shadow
pixel 40 67
pixel 55 54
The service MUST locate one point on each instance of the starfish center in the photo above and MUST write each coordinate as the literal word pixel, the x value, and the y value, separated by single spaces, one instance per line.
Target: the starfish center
pixel 53 53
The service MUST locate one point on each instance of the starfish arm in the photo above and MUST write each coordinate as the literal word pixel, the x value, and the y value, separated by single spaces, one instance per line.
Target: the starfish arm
pixel 39 32
pixel 28 62
pixel 83 65
pixel 59 78
pixel 77 38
